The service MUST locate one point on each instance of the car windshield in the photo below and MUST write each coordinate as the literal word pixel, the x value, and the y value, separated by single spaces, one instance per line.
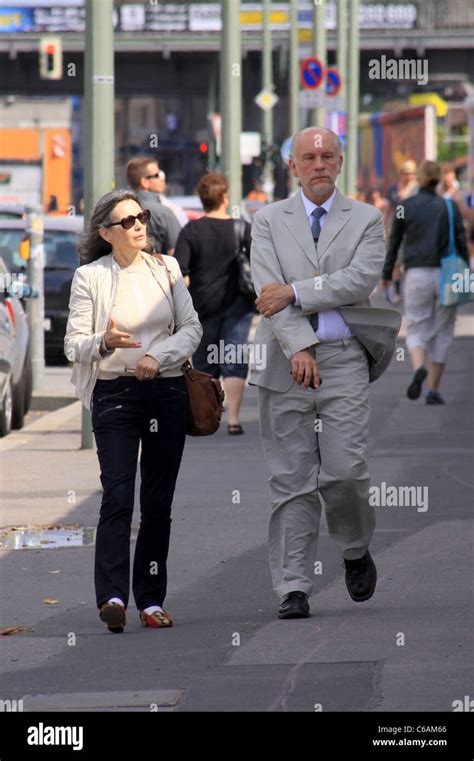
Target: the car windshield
pixel 60 248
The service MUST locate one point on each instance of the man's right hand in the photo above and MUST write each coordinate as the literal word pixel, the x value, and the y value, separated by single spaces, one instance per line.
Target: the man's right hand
pixel 304 368
pixel 116 339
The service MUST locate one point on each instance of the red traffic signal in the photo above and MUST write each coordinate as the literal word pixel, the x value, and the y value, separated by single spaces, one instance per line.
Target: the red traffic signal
pixel 203 148
pixel 50 51
pixel 51 58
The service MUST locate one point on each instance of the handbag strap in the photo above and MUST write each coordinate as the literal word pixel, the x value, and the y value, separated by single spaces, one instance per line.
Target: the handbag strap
pixel 452 246
pixel 239 229
pixel 159 256
pixel 186 366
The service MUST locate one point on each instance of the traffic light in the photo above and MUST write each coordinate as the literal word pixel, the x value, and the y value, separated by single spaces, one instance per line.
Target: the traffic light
pixel 203 148
pixel 51 58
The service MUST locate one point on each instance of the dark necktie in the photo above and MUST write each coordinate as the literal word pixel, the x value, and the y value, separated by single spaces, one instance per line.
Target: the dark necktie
pixel 316 224
pixel 316 230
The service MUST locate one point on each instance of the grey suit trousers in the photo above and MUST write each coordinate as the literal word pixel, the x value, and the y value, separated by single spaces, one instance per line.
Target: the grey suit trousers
pixel 315 445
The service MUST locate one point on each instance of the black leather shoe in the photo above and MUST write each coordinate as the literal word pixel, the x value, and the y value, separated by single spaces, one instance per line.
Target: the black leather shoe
pixel 361 577
pixel 294 605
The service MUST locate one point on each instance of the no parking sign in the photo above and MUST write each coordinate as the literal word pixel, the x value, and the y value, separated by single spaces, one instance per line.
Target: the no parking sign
pixel 333 82
pixel 312 72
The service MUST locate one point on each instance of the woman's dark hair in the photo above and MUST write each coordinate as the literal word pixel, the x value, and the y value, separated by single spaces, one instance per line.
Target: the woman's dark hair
pixel 92 245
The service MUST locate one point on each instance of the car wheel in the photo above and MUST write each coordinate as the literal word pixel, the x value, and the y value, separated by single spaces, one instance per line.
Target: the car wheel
pixel 18 406
pixel 6 410
pixel 28 370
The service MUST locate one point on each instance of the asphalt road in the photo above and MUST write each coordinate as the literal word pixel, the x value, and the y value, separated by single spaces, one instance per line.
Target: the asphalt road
pixel 408 649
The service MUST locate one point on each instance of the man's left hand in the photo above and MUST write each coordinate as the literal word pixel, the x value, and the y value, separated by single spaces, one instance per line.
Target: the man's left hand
pixel 273 298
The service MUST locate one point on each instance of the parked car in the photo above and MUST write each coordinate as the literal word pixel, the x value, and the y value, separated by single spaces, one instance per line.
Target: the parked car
pixel 61 238
pixel 191 205
pixel 15 361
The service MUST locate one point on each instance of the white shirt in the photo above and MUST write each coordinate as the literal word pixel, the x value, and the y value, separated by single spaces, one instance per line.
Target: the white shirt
pixel 141 309
pixel 331 325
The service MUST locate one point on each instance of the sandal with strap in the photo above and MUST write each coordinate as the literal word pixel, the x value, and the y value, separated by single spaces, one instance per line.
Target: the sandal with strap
pixel 113 616
pixel 156 620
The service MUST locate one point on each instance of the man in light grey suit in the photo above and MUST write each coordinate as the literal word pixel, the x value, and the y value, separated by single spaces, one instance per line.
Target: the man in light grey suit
pixel 315 259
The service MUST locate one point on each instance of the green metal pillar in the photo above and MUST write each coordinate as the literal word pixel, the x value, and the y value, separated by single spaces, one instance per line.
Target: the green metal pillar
pixel 294 83
pixel 318 115
pixel 99 123
pixel 353 96
pixel 341 62
pixel 231 101
pixel 267 84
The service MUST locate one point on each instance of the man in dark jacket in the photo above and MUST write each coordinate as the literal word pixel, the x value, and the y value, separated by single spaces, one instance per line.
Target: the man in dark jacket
pixel 143 175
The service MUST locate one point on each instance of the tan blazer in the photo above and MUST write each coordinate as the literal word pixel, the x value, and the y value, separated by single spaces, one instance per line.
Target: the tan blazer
pixel 340 273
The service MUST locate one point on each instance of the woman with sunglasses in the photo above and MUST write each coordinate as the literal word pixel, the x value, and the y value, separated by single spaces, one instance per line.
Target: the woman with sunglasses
pixel 128 334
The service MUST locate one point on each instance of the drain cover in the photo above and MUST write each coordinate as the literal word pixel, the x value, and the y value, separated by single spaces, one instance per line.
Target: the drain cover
pixel 45 538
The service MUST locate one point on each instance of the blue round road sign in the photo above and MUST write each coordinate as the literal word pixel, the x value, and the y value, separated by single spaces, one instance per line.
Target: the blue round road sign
pixel 285 149
pixel 333 82
pixel 311 73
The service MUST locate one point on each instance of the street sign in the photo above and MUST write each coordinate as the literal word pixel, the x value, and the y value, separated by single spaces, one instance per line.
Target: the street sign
pixel 266 100
pixel 318 99
pixel 250 146
pixel 333 82
pixel 311 98
pixel 285 149
pixel 312 71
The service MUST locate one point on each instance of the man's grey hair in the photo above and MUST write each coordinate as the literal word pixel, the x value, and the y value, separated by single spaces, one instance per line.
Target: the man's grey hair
pixel 294 143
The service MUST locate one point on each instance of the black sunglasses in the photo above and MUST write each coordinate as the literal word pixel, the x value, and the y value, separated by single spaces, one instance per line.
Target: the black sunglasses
pixel 128 222
pixel 152 176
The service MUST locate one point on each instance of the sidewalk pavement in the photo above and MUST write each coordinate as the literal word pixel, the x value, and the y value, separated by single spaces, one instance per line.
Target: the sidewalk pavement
pixel 408 648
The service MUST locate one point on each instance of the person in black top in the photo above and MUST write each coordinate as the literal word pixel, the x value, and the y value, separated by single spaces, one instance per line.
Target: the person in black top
pixel 207 254
pixel 423 225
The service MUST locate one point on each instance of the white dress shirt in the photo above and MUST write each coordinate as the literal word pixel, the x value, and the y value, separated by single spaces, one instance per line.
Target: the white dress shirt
pixel 331 325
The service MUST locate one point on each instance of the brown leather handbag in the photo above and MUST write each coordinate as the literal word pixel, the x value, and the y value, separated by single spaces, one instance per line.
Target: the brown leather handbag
pixel 206 395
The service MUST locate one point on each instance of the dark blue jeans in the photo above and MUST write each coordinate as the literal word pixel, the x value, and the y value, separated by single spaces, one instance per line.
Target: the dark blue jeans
pixel 126 411
pixel 224 333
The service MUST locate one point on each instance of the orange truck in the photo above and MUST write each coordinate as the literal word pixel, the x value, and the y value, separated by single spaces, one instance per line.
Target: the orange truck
pixel 35 160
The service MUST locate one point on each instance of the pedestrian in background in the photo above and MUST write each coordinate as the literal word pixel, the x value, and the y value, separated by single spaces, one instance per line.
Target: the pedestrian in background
pixel 406 187
pixel 449 186
pixel 177 210
pixel 423 229
pixel 143 176
pixel 207 254
pixel 375 198
pixel 128 335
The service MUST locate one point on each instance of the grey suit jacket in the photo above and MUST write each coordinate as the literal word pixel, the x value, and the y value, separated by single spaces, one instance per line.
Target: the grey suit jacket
pixel 340 273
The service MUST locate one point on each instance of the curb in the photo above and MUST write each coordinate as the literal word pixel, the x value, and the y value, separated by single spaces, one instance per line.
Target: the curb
pixel 47 424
